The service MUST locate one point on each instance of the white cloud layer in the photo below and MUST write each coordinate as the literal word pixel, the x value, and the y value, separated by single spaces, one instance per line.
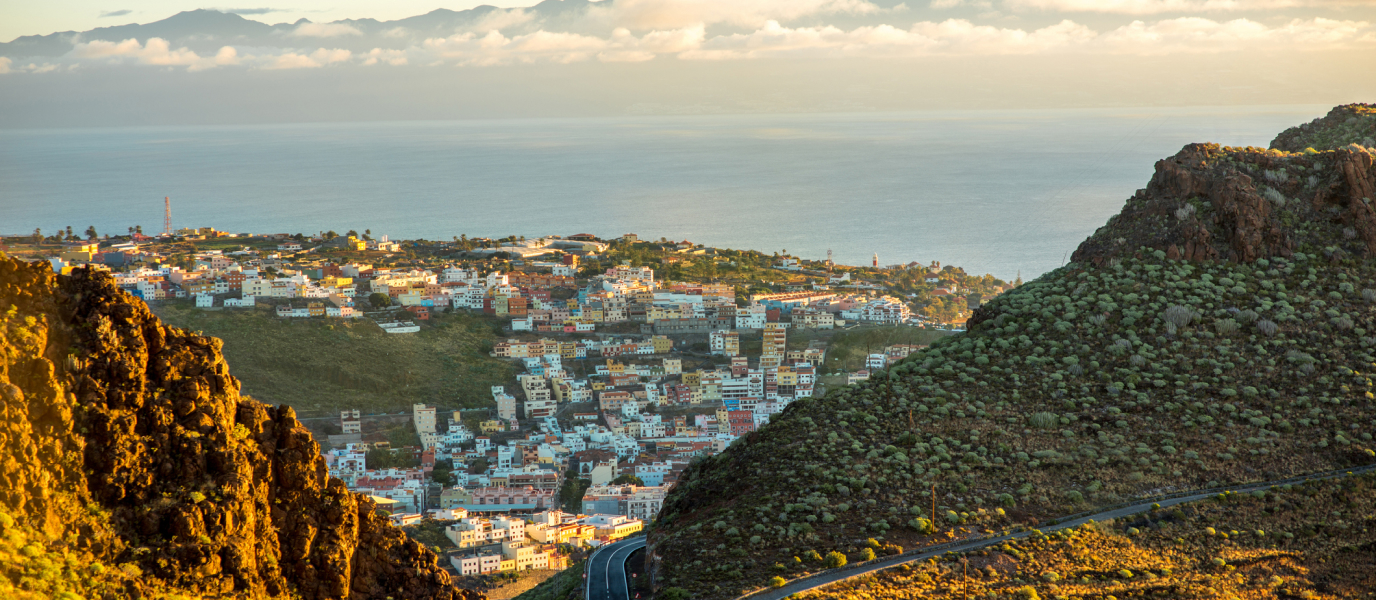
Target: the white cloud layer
pixel 952 37
pixel 324 30
pixel 1154 7
pixel 155 52
pixel 641 15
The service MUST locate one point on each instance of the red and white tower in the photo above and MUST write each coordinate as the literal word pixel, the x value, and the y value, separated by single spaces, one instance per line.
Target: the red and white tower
pixel 876 260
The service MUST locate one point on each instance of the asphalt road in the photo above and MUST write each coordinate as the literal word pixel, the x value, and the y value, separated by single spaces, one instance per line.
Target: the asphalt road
pixel 826 578
pixel 606 571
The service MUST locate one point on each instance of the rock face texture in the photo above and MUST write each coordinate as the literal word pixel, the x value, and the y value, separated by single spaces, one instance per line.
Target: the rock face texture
pixel 129 439
pixel 1210 203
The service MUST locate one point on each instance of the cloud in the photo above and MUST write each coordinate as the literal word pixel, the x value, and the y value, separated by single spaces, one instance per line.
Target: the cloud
pixel 1151 7
pixel 944 4
pixel 114 13
pixel 544 46
pixel 958 37
pixel 395 58
pixel 324 30
pixel 677 14
pixel 156 52
pixel 772 40
pixel 319 58
pixel 1198 35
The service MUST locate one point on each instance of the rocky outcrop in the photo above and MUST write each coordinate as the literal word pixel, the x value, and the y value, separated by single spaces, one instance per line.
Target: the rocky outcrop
pixel 1242 204
pixel 1344 125
pixel 130 439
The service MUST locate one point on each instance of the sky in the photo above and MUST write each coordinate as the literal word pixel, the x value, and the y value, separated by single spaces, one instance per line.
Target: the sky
pixel 571 57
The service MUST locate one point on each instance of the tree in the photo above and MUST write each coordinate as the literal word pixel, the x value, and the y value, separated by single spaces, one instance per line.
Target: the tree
pixel 442 476
pixel 91 233
pixel 628 479
pixel 37 236
pixel 379 300
pixel 353 234
pixel 69 232
pixel 329 235
pixel 571 493
pixel 138 229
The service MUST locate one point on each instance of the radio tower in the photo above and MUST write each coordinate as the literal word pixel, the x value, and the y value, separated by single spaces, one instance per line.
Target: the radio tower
pixel 829 263
pixel 167 215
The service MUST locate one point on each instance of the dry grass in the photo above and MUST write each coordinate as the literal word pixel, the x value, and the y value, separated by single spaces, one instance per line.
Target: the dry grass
pixel 1313 541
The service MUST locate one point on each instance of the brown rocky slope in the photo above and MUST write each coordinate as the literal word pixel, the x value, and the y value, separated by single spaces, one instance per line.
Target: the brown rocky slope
pixel 1210 202
pixel 125 443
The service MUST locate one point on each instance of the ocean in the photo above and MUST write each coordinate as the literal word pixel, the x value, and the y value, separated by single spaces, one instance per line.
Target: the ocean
pixel 1000 192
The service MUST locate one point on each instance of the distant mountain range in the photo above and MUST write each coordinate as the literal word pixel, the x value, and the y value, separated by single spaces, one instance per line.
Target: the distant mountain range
pixel 205 31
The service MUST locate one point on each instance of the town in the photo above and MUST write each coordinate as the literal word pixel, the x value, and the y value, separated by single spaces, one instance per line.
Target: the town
pixel 560 460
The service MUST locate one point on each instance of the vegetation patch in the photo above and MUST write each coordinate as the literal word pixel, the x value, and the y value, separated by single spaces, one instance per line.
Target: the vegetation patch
pixel 1310 541
pixel 321 366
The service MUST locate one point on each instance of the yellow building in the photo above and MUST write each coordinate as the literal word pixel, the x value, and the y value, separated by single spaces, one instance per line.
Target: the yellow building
pixel 491 426
pixel 663 345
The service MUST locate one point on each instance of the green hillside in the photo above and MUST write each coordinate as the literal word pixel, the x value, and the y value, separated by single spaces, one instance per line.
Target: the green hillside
pixel 319 366
pixel 1131 372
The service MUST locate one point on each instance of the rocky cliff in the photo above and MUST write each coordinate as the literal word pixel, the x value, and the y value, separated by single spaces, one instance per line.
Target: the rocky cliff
pixel 132 466
pixel 1240 204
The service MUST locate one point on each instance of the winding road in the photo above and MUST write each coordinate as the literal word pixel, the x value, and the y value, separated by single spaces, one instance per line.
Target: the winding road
pixel 829 577
pixel 606 570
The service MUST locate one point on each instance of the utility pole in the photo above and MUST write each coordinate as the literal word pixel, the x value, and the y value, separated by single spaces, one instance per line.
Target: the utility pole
pixel 965 595
pixel 167 215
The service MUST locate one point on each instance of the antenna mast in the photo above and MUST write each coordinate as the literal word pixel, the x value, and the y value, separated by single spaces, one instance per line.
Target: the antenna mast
pixel 167 215
pixel 829 263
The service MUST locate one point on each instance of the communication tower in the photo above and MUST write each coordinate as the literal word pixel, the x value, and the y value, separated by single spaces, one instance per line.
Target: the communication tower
pixel 876 260
pixel 167 215
pixel 829 263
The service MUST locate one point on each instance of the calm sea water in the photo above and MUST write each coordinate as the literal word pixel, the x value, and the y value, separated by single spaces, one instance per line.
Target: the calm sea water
pixel 994 192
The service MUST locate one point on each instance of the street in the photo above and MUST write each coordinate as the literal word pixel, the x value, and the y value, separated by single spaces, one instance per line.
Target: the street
pixel 606 570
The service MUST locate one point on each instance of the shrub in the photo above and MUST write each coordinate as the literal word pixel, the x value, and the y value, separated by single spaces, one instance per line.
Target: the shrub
pixel 1226 326
pixel 777 582
pixel 1044 420
pixel 1267 327
pixel 1026 592
pixel 1178 315
pixel 866 554
pixel 835 559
